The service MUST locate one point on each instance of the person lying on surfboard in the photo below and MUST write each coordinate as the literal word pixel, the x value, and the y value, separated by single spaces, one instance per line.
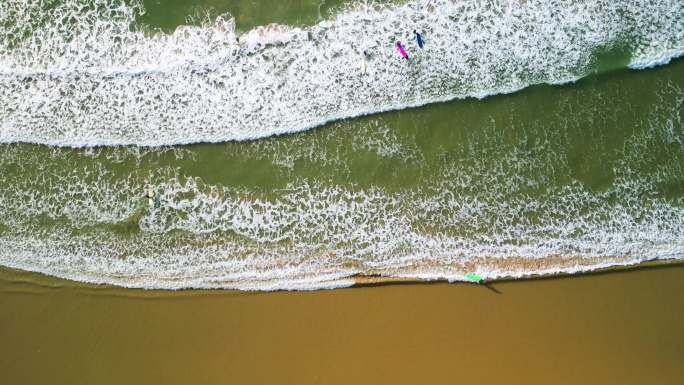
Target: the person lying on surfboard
pixel 402 51
pixel 419 39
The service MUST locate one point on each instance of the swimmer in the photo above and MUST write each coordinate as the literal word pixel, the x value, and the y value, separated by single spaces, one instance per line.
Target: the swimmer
pixel 419 39
pixel 402 51
pixel 150 195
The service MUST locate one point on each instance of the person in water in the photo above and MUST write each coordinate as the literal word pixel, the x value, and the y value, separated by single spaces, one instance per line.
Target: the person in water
pixel 419 39
pixel 402 51
pixel 150 195
pixel 364 63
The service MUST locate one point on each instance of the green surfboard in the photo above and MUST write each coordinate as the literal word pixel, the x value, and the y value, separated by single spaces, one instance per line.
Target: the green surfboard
pixel 474 277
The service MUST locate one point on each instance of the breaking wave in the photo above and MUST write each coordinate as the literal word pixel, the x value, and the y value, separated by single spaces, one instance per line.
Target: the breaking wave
pixel 504 201
pixel 76 73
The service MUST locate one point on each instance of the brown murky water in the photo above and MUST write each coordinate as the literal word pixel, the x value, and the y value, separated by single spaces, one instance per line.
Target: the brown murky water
pixel 613 328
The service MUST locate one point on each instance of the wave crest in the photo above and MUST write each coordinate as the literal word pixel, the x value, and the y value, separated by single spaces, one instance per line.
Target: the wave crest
pixel 79 75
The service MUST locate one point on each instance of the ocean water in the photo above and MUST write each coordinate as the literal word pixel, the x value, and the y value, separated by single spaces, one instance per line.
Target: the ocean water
pixel 232 144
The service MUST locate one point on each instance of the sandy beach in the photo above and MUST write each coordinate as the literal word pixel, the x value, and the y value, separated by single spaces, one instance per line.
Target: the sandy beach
pixel 268 192
pixel 620 327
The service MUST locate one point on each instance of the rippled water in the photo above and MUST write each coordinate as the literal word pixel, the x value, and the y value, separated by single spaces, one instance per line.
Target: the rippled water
pixel 553 178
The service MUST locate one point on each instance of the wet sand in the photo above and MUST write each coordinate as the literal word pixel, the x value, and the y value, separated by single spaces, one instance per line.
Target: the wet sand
pixel 623 327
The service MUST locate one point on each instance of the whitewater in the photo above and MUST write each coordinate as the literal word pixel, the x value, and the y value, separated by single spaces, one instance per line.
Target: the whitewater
pixel 143 158
pixel 83 74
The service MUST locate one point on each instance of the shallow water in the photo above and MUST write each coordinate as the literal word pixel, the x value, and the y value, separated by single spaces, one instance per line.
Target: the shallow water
pixel 551 178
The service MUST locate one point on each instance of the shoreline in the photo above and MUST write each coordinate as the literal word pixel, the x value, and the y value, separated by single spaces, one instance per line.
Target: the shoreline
pixel 352 281
pixel 616 327
pixel 380 280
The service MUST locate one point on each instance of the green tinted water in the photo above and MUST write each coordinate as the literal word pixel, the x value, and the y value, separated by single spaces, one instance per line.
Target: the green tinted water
pixel 169 14
pixel 542 138
pixel 594 168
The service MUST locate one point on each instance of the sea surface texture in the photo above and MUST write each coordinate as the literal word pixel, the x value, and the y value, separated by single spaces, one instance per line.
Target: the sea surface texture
pixel 231 144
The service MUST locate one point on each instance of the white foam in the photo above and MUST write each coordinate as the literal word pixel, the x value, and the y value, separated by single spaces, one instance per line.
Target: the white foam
pixel 58 213
pixel 472 216
pixel 94 81
pixel 658 59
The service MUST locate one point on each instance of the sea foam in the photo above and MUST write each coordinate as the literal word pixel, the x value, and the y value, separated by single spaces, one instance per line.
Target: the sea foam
pixel 81 74
pixel 489 206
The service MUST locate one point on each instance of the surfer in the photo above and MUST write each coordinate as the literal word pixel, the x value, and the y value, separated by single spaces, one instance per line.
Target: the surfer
pixel 419 39
pixel 150 195
pixel 364 63
pixel 153 197
pixel 402 51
